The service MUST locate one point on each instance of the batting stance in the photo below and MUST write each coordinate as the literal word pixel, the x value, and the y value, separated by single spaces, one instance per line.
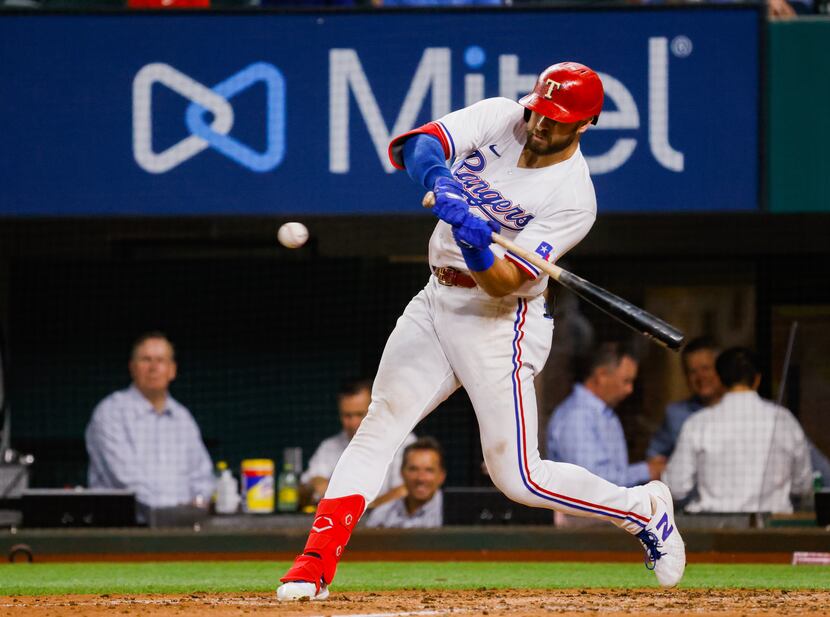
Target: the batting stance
pixel 481 323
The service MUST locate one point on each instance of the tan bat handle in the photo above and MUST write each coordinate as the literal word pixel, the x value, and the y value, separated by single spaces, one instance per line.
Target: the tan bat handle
pixel 550 269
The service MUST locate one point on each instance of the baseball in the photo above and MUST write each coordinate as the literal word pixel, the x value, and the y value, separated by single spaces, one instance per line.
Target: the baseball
pixel 292 235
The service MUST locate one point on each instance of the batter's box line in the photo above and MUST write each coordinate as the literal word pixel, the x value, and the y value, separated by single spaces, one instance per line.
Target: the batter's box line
pixel 403 614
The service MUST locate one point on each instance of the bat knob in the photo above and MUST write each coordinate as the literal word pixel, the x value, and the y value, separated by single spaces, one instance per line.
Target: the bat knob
pixel 429 200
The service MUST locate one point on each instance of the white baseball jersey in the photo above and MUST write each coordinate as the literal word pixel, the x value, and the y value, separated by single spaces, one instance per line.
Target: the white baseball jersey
pixel 546 210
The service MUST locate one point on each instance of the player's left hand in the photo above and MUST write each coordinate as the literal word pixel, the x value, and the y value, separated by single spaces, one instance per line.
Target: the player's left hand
pixel 475 233
pixel 450 204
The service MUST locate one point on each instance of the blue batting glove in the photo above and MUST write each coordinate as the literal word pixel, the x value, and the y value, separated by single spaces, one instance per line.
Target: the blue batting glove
pixel 475 233
pixel 450 204
pixel 474 236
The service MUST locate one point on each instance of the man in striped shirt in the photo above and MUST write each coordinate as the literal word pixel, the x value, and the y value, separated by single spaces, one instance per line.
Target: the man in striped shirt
pixel 144 440
pixel 743 454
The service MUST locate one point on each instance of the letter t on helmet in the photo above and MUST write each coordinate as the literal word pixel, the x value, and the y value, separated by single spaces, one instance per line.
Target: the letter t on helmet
pixel 566 92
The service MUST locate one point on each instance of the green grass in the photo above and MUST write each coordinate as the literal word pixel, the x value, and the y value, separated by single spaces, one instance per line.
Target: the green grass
pixel 244 576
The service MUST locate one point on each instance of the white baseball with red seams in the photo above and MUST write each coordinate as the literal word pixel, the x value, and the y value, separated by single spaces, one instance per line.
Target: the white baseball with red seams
pixel 292 235
pixel 451 337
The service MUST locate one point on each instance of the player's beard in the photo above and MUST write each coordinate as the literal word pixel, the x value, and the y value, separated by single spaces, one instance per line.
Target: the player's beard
pixel 548 147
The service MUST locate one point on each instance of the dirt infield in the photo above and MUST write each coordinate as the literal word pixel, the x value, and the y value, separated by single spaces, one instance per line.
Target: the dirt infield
pixel 525 603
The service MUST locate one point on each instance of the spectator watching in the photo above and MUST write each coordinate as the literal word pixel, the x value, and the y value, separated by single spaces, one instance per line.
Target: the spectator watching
pixel 423 474
pixel 698 360
pixel 743 454
pixel 144 440
pixel 353 404
pixel 585 431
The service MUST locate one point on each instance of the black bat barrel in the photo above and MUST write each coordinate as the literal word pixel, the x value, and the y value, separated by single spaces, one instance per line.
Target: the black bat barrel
pixel 632 316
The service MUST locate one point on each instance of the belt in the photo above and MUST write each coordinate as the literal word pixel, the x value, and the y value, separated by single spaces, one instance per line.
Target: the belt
pixel 453 278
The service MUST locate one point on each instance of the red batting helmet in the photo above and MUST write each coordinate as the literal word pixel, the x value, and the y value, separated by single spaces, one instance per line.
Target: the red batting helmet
pixel 566 92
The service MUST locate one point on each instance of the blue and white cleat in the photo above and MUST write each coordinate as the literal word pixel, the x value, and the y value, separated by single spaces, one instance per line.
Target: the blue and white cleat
pixel 665 550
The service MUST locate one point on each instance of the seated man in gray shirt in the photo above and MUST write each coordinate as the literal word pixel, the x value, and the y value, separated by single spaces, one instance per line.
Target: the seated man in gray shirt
pixel 423 475
pixel 142 439
pixel 353 400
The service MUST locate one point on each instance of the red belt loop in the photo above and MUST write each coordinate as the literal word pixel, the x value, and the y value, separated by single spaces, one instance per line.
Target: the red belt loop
pixel 453 278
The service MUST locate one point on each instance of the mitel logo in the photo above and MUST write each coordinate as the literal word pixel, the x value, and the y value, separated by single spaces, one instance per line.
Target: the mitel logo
pixel 432 78
pixel 215 100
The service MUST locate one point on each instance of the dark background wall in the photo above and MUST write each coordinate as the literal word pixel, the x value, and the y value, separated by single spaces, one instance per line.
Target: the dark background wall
pixel 262 347
pixel 265 335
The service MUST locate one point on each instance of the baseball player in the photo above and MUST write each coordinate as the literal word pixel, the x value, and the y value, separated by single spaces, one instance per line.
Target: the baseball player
pixel 480 322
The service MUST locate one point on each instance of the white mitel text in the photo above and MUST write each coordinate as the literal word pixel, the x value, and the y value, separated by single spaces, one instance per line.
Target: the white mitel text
pixel 432 77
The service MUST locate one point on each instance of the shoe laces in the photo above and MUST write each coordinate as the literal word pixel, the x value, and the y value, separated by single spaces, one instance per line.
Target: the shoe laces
pixel 652 545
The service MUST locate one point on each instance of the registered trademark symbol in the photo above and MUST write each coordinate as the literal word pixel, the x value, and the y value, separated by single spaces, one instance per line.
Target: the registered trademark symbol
pixel 681 46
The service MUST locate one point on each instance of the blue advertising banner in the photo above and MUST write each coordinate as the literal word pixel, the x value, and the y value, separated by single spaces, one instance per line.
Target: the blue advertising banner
pixel 251 113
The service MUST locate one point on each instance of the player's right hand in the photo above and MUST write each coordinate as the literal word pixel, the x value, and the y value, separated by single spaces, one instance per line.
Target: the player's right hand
pixel 475 233
pixel 450 204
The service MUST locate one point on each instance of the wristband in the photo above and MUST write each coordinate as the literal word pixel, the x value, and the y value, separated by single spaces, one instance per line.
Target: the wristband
pixel 478 260
pixel 438 171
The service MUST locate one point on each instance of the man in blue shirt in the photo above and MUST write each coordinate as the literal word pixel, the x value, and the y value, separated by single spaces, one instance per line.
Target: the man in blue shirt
pixel 585 431
pixel 142 439
pixel 698 359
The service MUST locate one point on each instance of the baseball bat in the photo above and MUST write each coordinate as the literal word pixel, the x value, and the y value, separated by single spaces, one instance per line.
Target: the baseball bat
pixel 623 311
pixel 782 387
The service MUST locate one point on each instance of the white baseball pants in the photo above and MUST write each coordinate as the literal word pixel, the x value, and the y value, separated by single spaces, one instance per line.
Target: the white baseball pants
pixel 449 337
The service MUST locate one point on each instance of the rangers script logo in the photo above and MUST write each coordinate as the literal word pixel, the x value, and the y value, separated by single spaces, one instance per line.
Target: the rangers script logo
pixel 490 201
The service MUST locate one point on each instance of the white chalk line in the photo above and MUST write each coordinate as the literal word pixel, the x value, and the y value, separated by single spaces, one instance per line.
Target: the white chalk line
pixel 388 614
